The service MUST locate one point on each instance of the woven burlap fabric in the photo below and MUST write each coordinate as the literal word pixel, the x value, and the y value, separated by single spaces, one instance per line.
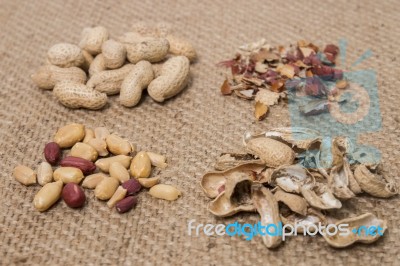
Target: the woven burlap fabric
pixel 191 130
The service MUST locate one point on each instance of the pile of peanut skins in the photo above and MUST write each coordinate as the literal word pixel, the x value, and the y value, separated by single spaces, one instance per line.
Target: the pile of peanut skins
pixel 268 74
pixel 147 57
pixel 81 167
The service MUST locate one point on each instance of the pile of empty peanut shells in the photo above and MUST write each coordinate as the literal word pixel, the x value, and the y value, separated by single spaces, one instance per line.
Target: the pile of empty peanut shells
pixel 108 176
pixel 147 57
pixel 272 179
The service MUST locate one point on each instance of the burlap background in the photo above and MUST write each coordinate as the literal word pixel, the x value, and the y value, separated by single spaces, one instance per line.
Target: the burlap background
pixel 191 130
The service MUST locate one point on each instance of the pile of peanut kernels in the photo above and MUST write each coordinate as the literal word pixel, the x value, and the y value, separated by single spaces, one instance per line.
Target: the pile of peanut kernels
pixel 112 183
pixel 81 76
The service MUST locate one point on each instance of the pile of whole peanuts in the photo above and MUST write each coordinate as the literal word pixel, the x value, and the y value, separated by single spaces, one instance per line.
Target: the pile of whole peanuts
pixel 81 76
pixel 112 183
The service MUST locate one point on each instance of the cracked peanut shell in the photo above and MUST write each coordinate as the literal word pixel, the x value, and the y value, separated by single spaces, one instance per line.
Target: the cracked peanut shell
pixel 272 152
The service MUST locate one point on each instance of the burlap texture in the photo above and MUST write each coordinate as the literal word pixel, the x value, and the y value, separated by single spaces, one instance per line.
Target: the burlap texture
pixel 191 130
